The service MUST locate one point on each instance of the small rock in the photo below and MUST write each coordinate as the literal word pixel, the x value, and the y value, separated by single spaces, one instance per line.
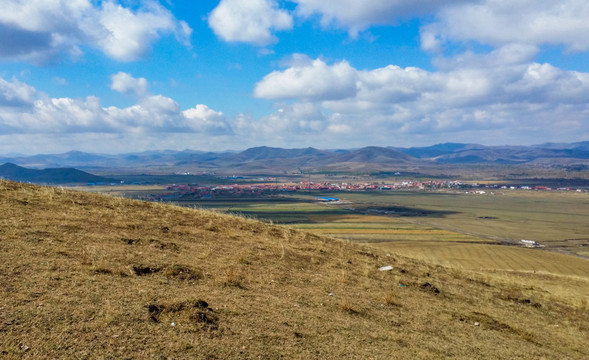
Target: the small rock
pixel 386 268
pixel 173 324
pixel 331 294
pixel 477 324
pixel 23 347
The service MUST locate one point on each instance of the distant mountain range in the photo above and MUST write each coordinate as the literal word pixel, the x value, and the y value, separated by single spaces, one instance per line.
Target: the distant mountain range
pixel 473 153
pixel 268 159
pixel 14 172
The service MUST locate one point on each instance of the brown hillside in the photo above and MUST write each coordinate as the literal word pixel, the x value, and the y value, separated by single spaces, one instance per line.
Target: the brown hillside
pixel 90 276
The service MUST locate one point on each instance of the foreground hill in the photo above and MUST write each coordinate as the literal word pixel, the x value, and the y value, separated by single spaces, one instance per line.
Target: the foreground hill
pixel 91 276
pixel 14 172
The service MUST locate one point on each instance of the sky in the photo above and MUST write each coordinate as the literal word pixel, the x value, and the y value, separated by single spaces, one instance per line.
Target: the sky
pixel 120 76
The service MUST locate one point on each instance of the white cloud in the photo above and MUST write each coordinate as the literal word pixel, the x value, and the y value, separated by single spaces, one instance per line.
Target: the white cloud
pixel 356 15
pixel 339 129
pixel 41 30
pixel 490 22
pixel 16 94
pixel 131 34
pixel 66 115
pixel 316 81
pixel 290 119
pixel 298 124
pixel 484 93
pixel 250 21
pixel 37 113
pixel 126 84
pixel 500 22
pixel 204 119
pixel 498 76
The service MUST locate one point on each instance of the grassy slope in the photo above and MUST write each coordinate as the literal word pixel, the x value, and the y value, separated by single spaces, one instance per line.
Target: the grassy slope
pixel 91 276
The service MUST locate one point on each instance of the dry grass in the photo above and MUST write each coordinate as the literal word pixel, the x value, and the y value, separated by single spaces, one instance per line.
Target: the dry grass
pixel 88 276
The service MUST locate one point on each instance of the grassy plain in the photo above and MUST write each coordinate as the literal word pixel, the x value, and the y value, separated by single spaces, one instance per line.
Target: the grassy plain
pixel 464 231
pixel 556 219
pixel 89 276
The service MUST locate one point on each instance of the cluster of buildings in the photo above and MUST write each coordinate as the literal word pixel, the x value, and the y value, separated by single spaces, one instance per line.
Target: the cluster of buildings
pixel 535 188
pixel 210 192
pixel 200 192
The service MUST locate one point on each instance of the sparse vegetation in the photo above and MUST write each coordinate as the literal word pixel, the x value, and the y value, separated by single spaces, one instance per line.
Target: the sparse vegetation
pixel 92 276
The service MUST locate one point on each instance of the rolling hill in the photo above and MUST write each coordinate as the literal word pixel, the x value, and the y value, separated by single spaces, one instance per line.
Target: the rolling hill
pixel 14 172
pixel 438 150
pixel 90 276
pixel 269 153
pixel 373 154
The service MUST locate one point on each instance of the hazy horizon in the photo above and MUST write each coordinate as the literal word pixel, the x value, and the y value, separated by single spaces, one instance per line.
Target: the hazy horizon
pixel 16 154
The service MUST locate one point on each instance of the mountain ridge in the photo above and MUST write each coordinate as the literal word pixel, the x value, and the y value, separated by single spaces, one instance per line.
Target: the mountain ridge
pixel 370 157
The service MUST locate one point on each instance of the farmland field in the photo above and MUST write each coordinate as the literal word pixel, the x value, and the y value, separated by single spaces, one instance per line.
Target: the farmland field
pixel 468 231
pixel 557 220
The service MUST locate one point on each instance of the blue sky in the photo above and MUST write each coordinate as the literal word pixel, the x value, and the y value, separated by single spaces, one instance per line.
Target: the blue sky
pixel 131 75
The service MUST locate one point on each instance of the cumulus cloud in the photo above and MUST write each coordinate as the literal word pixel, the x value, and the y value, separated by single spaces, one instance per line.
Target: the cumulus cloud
pixel 296 124
pixel 500 22
pixel 500 90
pixel 469 79
pixel 251 21
pixel 290 119
pixel 131 34
pixel 38 113
pixel 489 22
pixel 204 119
pixel 356 15
pixel 39 30
pixel 126 84
pixel 16 94
pixel 316 81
